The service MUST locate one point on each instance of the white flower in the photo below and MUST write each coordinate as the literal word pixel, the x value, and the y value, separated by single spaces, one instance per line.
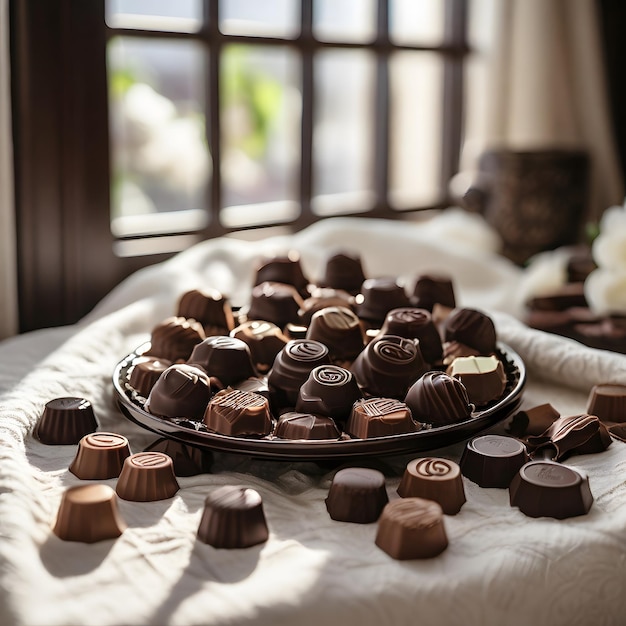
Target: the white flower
pixel 605 291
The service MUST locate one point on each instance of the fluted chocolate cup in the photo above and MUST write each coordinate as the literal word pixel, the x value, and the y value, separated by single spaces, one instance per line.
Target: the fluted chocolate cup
pixel 343 271
pixel 210 308
pixel 226 358
pixel 147 476
pixel 430 290
pixel 100 456
pixel 339 329
pixel 357 495
pixel 66 421
pixel 88 513
pixel 608 402
pixel 378 296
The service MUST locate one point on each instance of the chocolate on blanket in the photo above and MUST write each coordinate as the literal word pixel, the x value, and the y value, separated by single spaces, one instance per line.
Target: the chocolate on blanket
pixel 210 308
pixel 483 377
pixel 232 518
pixel 412 528
pixel 434 478
pixel 493 460
pixel 339 329
pixel 548 489
pixel 182 390
pixel 532 421
pixel 343 271
pixel 89 513
pixel 357 495
pixel 274 302
pixel 415 323
pixel 238 413
pixel 265 341
pixel 188 460
pixel 329 390
pixel 379 296
pixel 145 372
pixel 174 338
pixel 380 417
pixel 438 399
pixel 321 298
pixel 146 477
pixel 282 269
pixel 431 289
pixel 226 358
pixel 306 426
pixel 608 402
pixel 100 456
pixel 471 328
pixel 388 366
pixel 65 421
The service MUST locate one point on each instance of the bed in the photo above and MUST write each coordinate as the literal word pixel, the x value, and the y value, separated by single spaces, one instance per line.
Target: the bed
pixel 500 567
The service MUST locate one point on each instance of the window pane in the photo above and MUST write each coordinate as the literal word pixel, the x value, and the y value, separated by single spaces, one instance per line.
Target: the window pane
pixel 181 16
pixel 345 20
pixel 416 81
pixel 417 22
pixel 160 160
pixel 266 18
pixel 343 132
pixel 260 130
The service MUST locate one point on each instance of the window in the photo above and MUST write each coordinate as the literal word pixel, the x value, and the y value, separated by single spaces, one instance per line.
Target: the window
pixel 167 123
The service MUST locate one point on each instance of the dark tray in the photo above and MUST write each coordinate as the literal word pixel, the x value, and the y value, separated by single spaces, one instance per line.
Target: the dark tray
pixel 185 431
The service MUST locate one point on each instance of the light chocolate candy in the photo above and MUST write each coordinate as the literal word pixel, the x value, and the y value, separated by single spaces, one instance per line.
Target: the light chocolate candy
pixel 483 377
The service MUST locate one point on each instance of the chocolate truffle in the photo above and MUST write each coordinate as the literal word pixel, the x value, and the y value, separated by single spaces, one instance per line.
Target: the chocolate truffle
pixel 181 391
pixel 282 269
pixel 414 323
pixel 233 518
pixel 412 528
pixel 188 460
pixel 608 402
pixel 338 328
pixel 305 426
pixel 329 390
pixel 237 413
pixel 145 372
pixel 378 296
pixel 435 479
pixel 174 338
pixel 65 421
pixel 493 460
pixel 472 328
pixel 321 298
pixel 483 377
pixel 89 513
pixel 210 308
pixel 264 339
pixel 100 456
pixel 357 494
pixel 274 302
pixel 380 417
pixel 547 489
pixel 226 358
pixel 430 290
pixel 146 477
pixel 343 271
pixel 388 366
pixel 438 399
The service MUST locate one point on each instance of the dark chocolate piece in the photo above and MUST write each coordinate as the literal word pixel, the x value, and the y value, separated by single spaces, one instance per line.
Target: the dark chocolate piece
pixel 379 296
pixel 188 460
pixel 453 350
pixel 275 302
pixel 253 384
pixel 174 338
pixel 321 298
pixel 145 372
pixel 233 518
pixel 618 431
pixel 438 399
pixel 357 495
pixel 388 366
pixel 412 528
pixel 547 489
pixel 226 358
pixel 343 271
pixel 339 329
pixel 608 402
pixel 181 391
pixel 264 339
pixel 282 269
pixel 329 390
pixel 88 513
pixel 65 421
pixel 430 290
pixel 236 413
pixel 483 377
pixel 100 456
pixel 380 417
pixel 564 297
pixel 306 426
pixel 493 460
pixel 532 422
pixel 210 308
pixel 146 477
pixel 435 479
pixel 472 328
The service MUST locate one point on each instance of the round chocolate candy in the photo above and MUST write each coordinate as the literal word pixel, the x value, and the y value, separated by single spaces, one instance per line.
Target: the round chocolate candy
pixel 321 298
pixel 88 513
pixel 357 494
pixel 329 390
pixel 548 489
pixel 146 477
pixel 282 269
pixel 412 528
pixel 435 479
pixel 343 271
pixel 100 456
pixel 378 296
pixel 226 358
pixel 493 460
pixel 188 460
pixel 174 338
pixel 438 399
pixel 210 308
pixel 339 329
pixel 306 426
pixel 388 366
pixel 238 413
pixel 145 372
pixel 482 376
pixel 264 339
pixel 471 328
pixel 65 421
pixel 380 417
pixel 430 290
pixel 274 302
pixel 608 402
pixel 233 517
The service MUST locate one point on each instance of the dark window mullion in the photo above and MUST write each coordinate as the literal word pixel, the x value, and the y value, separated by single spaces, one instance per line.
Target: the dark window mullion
pixel 381 108
pixel 307 49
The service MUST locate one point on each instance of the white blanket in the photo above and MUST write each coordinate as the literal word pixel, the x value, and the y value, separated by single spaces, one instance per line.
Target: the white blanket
pixel 500 567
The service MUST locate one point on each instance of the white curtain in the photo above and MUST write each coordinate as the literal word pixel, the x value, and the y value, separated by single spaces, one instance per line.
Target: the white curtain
pixel 537 81
pixel 8 269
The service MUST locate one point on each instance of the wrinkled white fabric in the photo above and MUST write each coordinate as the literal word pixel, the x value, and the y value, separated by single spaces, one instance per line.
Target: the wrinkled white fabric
pixel 500 567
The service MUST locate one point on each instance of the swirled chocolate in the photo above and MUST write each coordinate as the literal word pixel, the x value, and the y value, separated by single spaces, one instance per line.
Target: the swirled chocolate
pixel 274 302
pixel 226 358
pixel 338 328
pixel 438 399
pixel 483 377
pixel 379 296
pixel 145 372
pixel 329 390
pixel 379 417
pixel 290 370
pixel 293 425
pixel 210 308
pixel 472 328
pixel 236 413
pixel 265 341
pixel 414 323
pixel 282 269
pixel 343 271
pixel 175 338
pixel 181 391
pixel 388 366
